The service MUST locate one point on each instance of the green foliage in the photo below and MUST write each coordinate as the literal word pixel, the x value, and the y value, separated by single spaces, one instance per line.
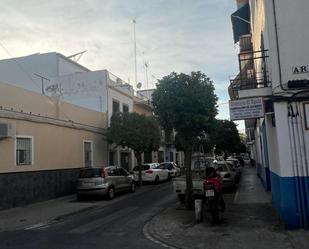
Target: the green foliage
pixel 226 137
pixel 138 132
pixel 186 103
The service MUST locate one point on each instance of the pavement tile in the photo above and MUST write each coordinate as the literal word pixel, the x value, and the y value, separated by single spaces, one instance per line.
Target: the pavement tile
pixel 249 222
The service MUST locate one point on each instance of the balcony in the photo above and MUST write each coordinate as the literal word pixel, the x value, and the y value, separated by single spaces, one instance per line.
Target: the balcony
pixel 253 76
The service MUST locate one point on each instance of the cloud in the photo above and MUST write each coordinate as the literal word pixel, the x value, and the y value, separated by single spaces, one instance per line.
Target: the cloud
pixel 173 35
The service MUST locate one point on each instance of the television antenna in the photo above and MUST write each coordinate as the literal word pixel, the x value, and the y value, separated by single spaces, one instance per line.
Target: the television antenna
pixel 77 56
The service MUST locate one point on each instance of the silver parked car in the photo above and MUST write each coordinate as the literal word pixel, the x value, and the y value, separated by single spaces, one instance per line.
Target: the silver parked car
pixel 104 181
pixel 228 175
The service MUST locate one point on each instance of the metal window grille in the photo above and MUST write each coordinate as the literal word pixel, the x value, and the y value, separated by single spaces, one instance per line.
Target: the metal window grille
pixel 23 151
pixel 88 154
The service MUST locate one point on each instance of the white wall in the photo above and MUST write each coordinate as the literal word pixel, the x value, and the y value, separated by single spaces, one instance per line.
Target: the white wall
pixel 66 66
pixel 87 89
pixel 20 71
pixel 292 23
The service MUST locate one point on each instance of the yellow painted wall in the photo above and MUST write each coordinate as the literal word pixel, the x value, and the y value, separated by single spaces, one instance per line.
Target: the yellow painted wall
pixel 55 146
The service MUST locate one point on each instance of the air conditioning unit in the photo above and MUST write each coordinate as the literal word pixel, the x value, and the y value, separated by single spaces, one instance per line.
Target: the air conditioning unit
pixel 5 130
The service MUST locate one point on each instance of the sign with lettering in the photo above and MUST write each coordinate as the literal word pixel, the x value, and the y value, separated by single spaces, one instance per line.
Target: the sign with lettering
pixel 242 109
pixel 300 69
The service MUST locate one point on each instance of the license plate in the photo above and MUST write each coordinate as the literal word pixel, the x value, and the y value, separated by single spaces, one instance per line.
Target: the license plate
pixel 209 193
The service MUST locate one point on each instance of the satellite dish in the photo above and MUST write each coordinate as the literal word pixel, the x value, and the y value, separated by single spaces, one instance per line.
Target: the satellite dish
pixel 139 85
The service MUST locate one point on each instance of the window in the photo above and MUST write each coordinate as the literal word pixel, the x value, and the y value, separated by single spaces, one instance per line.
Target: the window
pixel 111 158
pixel 112 171
pixel 116 107
pixel 87 153
pixel 24 151
pixel 122 172
pixel 125 108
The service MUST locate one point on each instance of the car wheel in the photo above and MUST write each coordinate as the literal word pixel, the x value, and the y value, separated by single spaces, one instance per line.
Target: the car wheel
pixel 182 198
pixel 111 193
pixel 80 197
pixel 169 177
pixel 157 179
pixel 132 188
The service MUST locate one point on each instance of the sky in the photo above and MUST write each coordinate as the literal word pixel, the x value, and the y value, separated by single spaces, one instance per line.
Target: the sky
pixel 171 36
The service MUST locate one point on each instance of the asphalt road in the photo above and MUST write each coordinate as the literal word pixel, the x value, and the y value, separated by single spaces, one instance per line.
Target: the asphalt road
pixel 119 224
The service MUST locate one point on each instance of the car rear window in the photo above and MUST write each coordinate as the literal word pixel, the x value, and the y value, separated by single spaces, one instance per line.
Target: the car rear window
pixel 144 167
pixel 89 173
pixel 168 166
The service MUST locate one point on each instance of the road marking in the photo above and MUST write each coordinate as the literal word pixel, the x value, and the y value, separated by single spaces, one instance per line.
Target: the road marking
pixel 37 226
pixel 102 221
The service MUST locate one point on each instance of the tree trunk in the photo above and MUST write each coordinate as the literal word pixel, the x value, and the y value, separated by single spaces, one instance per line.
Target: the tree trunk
pixel 189 194
pixel 139 163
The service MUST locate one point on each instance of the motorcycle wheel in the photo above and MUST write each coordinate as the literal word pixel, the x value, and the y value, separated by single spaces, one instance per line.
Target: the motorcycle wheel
pixel 214 212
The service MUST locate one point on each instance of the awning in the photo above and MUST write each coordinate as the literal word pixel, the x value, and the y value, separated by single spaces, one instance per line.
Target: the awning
pixel 241 22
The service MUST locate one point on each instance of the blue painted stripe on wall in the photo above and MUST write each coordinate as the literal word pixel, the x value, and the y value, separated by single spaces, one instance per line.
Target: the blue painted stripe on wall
pixel 268 181
pixel 289 197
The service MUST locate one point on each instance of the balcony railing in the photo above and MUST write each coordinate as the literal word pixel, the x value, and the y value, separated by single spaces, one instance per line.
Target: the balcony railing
pixel 253 71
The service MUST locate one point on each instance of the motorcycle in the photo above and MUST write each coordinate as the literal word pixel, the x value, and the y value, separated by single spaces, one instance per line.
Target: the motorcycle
pixel 213 194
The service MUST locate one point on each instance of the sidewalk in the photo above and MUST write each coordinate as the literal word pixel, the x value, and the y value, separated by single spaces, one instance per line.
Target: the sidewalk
pixel 249 223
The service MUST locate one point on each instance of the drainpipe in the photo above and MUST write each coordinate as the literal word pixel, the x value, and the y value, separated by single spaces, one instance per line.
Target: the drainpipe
pixel 294 159
pixel 301 170
pixel 304 184
pixel 277 47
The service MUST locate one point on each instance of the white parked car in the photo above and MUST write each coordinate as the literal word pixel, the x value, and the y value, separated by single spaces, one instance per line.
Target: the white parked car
pixel 171 167
pixel 151 173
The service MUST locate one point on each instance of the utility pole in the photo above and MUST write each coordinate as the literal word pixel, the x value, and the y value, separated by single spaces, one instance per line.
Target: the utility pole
pixel 135 64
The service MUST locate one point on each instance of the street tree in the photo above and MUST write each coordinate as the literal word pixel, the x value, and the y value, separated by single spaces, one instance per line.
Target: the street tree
pixel 135 131
pixel 187 104
pixel 226 138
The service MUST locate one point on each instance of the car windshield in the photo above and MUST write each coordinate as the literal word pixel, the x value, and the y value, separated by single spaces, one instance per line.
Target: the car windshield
pixel 89 173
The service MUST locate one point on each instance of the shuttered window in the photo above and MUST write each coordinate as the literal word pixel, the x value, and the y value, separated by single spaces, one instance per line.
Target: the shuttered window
pixel 23 151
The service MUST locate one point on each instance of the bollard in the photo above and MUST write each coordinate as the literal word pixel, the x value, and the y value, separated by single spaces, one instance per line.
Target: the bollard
pixel 198 204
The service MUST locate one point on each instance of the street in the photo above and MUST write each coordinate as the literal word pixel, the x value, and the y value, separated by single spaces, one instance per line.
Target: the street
pixel 115 224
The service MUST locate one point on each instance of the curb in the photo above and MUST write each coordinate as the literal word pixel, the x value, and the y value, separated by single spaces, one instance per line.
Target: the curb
pixel 155 238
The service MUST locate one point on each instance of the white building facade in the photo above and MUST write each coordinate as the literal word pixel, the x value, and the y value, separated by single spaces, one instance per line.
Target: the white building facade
pixel 273 65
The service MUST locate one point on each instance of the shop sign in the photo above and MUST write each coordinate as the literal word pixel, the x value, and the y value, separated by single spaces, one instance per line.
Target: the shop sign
pixel 242 109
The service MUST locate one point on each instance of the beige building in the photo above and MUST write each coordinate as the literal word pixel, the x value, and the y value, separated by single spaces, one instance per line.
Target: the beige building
pixel 43 143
